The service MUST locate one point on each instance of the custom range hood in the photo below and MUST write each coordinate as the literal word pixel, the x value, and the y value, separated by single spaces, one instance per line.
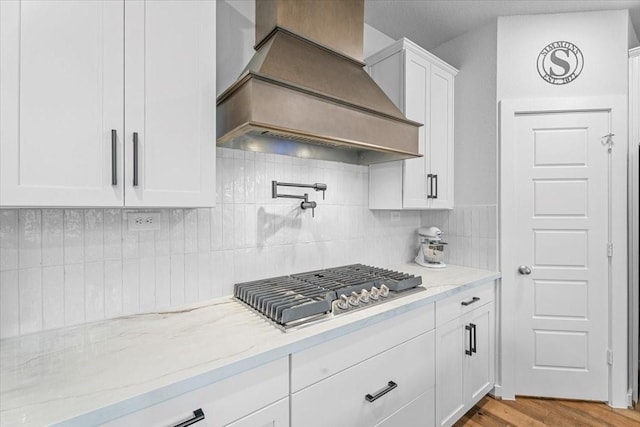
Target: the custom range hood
pixel 305 92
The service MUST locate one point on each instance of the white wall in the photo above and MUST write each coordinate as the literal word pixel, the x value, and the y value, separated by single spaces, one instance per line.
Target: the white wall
pixel 601 36
pixel 474 54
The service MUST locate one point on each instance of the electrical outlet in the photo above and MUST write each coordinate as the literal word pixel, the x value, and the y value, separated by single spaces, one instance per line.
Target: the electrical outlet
pixel 143 221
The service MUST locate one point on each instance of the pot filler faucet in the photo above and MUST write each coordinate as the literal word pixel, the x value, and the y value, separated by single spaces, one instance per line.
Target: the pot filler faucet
pixel 305 204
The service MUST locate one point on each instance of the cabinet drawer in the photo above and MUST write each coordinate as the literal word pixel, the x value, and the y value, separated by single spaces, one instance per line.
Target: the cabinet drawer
pixel 319 362
pixel 340 400
pixel 419 413
pixel 222 402
pixel 459 304
pixel 276 415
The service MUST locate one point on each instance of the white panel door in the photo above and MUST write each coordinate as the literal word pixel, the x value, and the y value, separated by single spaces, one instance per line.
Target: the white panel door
pixel 170 103
pixel 417 106
pixel 562 309
pixel 62 95
pixel 441 140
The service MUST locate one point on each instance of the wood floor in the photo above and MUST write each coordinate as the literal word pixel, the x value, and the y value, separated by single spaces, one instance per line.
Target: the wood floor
pixel 525 411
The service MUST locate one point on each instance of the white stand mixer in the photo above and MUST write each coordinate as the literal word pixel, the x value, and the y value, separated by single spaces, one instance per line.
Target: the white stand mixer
pixel 431 250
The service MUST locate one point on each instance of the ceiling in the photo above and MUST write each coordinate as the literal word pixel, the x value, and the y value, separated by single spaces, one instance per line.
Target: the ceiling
pixel 430 23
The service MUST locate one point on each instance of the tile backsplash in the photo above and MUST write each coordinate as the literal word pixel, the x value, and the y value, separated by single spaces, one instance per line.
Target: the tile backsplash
pixel 471 234
pixel 63 267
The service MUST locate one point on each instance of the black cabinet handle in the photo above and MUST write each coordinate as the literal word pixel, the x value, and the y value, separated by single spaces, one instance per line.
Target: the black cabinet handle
pixel 430 179
pixel 135 159
pixel 114 157
pixel 198 415
pixel 435 177
pixel 390 386
pixel 474 299
pixel 473 331
pixel 469 352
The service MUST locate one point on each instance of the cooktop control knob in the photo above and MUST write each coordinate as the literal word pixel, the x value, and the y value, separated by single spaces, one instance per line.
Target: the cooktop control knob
pixel 354 299
pixel 343 302
pixel 384 291
pixel 364 296
pixel 374 294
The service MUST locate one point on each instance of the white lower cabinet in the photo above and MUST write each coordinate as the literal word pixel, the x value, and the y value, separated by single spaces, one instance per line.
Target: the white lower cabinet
pixel 465 352
pixel 258 397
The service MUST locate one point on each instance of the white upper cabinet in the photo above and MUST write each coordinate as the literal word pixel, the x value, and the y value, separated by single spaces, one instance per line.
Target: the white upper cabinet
pixel 79 79
pixel 170 103
pixel 422 87
pixel 62 95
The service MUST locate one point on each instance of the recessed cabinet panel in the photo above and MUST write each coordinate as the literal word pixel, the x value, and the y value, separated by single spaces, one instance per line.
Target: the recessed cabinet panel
pixel 62 95
pixel 170 103
pixel 440 144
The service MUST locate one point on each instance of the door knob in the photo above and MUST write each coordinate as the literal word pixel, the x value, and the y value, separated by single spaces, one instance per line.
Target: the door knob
pixel 524 270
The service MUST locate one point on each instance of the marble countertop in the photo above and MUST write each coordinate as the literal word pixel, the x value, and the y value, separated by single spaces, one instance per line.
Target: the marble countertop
pixel 88 374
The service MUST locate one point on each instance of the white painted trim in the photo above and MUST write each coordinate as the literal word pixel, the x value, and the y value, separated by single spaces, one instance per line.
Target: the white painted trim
pixel 618 264
pixel 634 222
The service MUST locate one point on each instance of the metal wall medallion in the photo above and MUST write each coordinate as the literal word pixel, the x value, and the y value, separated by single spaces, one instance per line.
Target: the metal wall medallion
pixel 560 63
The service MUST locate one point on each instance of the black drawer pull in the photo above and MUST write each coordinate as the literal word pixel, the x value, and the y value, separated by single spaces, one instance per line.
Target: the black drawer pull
pixel 198 415
pixel 470 351
pixel 135 159
pixel 474 299
pixel 382 392
pixel 114 157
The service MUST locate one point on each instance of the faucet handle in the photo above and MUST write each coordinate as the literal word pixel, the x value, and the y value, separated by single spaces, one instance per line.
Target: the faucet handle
pixel 318 186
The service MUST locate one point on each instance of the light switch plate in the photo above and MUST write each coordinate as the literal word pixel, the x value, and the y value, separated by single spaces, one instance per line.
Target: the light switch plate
pixel 143 221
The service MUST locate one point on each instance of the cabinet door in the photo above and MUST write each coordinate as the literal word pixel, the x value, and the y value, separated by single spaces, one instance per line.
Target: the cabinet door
pixel 170 103
pixel 276 415
pixel 417 108
pixel 61 81
pixel 479 375
pixel 441 138
pixel 419 413
pixel 451 343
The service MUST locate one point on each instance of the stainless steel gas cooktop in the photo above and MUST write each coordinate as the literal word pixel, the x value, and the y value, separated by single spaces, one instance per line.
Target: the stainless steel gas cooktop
pixel 301 298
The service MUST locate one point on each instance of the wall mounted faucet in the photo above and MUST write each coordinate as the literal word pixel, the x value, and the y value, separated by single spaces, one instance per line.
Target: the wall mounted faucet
pixel 305 204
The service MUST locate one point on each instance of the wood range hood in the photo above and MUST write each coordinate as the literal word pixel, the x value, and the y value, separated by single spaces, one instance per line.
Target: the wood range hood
pixel 305 92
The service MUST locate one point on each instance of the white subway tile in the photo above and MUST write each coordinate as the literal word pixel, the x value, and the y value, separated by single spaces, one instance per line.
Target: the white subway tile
pixel 492 222
pixel 176 233
pixel 483 212
pixel 228 227
pixel 113 288
pixel 162 240
pixel 130 240
pixel 492 263
pixel 73 236
pixel 74 290
pixel 53 297
pixel 30 284
pixel 147 244
pixel 250 225
pixel 163 281
pixel 468 228
pixel 9 303
pixel 30 238
pixel 177 279
pixel 475 252
pixel 191 279
pixel 227 180
pixel 262 186
pixel 245 264
pixel 130 286
pixel 238 226
pixel 475 221
pixel 112 219
pixel 52 242
pixel 147 270
pixel 204 230
pixel 223 272
pixel 204 276
pixel 9 240
pixel 249 180
pixel 216 228
pixel 94 291
pixel 484 253
pixel 190 231
pixel 93 235
pixel 238 181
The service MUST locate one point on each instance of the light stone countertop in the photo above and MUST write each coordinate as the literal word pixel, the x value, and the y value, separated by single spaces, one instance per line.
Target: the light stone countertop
pixel 91 373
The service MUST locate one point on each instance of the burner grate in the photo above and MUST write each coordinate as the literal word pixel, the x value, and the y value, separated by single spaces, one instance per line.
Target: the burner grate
pixel 289 299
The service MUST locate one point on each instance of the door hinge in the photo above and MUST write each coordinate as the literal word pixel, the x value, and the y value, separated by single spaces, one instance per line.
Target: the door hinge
pixel 609 250
pixel 610 357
